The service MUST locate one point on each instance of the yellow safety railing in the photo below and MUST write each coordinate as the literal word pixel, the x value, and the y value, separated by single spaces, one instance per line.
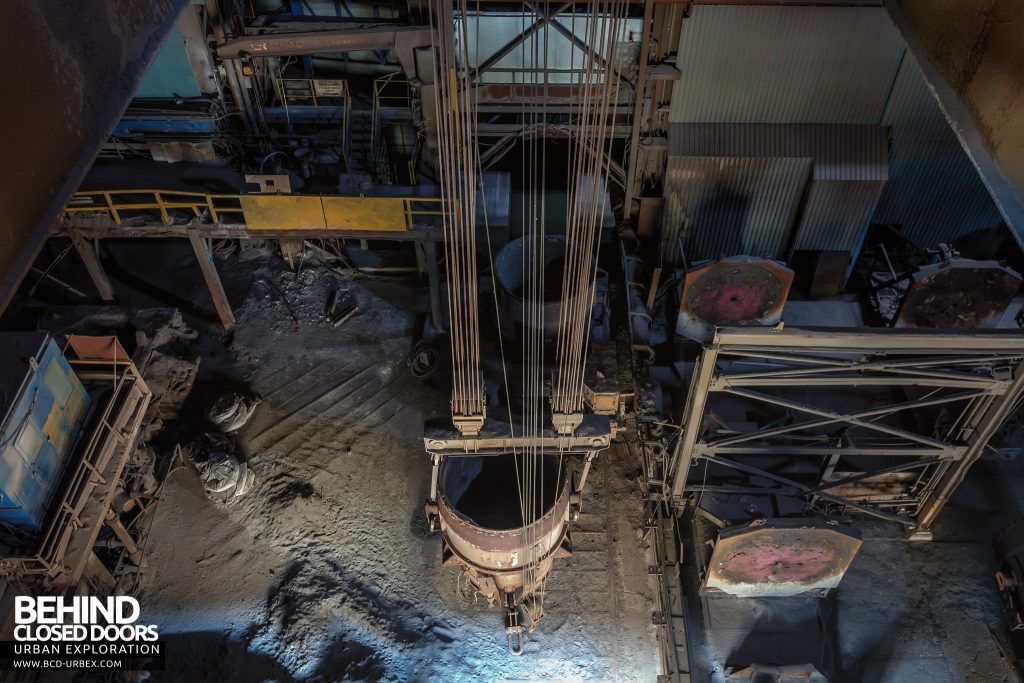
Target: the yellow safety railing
pixel 116 202
pixel 302 90
pixel 392 91
pixel 268 212
pixel 313 92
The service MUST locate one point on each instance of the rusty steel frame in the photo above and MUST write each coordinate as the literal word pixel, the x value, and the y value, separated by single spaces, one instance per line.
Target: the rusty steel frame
pixel 440 439
pixel 791 358
pixel 66 545
pixel 403 40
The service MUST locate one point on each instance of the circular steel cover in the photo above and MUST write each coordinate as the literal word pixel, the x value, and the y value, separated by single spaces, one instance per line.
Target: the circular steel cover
pixel 738 293
pixel 739 290
pixel 958 294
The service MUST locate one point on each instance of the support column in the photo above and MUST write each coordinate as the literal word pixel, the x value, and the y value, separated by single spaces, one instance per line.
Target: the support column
pixel 641 107
pixel 220 299
pixel 92 264
pixel 434 281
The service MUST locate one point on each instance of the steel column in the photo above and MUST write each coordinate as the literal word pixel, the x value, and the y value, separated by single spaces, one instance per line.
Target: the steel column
pixel 92 265
pixel 638 113
pixel 220 298
pixel 695 401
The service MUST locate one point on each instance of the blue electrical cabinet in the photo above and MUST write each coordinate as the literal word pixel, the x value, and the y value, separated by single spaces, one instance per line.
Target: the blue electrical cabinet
pixel 43 407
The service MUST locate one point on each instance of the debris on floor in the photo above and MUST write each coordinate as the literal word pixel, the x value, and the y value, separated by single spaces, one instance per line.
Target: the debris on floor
pixel 223 474
pixel 231 410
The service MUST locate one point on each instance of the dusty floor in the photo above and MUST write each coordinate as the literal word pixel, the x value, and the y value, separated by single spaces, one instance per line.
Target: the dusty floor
pixel 326 570
pixel 922 612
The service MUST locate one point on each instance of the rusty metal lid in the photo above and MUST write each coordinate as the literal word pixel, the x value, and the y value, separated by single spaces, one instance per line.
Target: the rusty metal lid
pixel 739 290
pixel 781 557
pixel 960 293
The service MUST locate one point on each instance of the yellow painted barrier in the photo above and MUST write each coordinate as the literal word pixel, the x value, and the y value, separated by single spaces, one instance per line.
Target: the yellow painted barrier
pixel 282 212
pixel 269 212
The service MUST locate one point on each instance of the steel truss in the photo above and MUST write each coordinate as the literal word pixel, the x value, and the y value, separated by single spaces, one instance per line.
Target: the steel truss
pixel 883 422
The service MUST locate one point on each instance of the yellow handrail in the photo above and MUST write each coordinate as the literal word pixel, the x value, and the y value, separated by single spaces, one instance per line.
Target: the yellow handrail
pixel 162 200
pixel 310 85
pixel 248 206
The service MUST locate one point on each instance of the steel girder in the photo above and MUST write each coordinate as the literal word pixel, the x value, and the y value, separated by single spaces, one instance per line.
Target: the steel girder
pixel 912 410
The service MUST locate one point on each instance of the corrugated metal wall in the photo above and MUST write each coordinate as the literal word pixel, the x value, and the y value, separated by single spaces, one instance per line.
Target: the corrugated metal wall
pixel 841 151
pixel 810 65
pixel 744 64
pixel 711 165
pixel 734 205
pixel 837 214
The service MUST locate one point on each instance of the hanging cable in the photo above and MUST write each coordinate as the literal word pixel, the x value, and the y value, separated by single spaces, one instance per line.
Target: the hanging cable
pixel 586 205
pixel 455 114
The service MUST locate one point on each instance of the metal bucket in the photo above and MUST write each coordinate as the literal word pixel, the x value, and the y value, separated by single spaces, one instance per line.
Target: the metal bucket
pixel 511 268
pixel 482 523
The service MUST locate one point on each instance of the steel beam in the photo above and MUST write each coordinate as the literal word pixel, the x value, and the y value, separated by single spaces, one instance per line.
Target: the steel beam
pixel 496 437
pixel 497 150
pixel 503 129
pixel 640 107
pixel 403 40
pixel 804 408
pixel 741 340
pixel 95 269
pixel 582 45
pixel 814 424
pixel 535 107
pixel 696 400
pixel 804 489
pixel 908 367
pixel 507 48
pixel 111 230
pixel 851 381
pixel 903 467
pixel 220 298
pixel 701 450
